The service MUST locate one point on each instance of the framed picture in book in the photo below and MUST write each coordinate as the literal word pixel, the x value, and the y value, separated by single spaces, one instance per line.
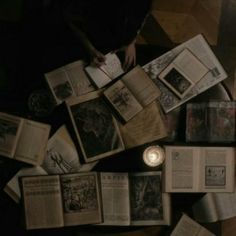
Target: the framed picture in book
pixel 96 129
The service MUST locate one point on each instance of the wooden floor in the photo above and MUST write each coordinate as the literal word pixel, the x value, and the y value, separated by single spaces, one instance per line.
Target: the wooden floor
pixel 173 22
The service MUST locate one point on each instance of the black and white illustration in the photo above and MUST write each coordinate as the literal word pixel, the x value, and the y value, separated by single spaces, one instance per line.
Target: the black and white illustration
pixel 79 193
pixel 8 134
pixel 63 90
pixel 122 99
pixel 60 157
pixel 215 176
pixel 176 81
pixel 146 198
pixel 97 129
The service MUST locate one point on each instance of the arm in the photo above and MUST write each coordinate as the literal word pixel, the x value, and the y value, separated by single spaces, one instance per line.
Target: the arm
pixel 75 24
pixel 135 22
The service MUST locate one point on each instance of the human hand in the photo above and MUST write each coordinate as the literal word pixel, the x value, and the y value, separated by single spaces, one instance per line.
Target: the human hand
pixel 97 58
pixel 130 56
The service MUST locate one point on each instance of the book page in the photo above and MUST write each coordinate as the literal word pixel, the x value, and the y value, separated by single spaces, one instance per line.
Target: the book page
pixel 225 204
pixel 61 155
pixel 81 199
pixel 78 78
pixel 182 164
pixel 200 48
pixel 60 84
pixel 176 80
pixel 112 66
pixel 42 202
pixel 32 143
pixel 98 76
pixel 205 209
pixel 149 206
pixel 145 127
pixel 186 226
pixel 12 187
pixel 10 128
pixel 122 100
pixel 95 127
pixel 217 165
pixel 190 65
pixel 115 198
pixel 141 86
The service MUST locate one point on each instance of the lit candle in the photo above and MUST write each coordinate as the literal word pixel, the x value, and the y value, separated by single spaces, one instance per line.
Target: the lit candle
pixel 153 156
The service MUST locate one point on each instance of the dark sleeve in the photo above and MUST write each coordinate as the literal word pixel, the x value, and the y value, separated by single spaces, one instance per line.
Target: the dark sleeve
pixel 77 13
pixel 136 13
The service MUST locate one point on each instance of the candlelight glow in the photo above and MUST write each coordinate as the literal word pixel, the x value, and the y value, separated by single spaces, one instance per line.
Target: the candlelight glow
pixel 153 156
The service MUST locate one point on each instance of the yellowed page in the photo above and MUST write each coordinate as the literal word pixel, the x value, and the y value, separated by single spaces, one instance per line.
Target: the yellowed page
pixel 141 86
pixel 42 202
pixel 32 143
pixel 81 198
pixel 147 126
pixel 10 129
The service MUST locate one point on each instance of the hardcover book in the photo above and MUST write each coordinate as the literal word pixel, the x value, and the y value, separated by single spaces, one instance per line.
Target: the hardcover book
pixel 100 135
pixel 68 81
pixel 183 73
pixel 199 169
pixel 129 95
pixel 211 122
pixel 134 199
pixel 79 198
pixel 23 139
pixel 61 157
pixel 61 200
pixel 199 47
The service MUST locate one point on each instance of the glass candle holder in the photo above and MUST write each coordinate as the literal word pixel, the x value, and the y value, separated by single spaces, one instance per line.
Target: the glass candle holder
pixel 153 156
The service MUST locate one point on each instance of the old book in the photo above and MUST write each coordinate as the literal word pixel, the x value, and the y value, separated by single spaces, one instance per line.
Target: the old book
pixel 61 157
pixel 212 121
pixel 181 75
pixel 202 51
pixel 213 207
pixel 104 74
pixel 61 200
pixel 68 81
pixel 129 95
pixel 187 226
pixel 199 169
pixel 100 135
pixel 134 199
pixel 23 139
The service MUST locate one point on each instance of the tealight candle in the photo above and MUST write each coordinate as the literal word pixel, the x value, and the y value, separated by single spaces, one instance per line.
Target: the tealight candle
pixel 153 156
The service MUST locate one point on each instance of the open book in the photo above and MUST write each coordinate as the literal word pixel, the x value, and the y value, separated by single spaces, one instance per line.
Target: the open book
pixel 129 95
pixel 212 121
pixel 61 200
pixel 100 135
pixel 68 81
pixel 61 157
pixel 199 47
pixel 199 169
pixel 187 226
pixel 183 73
pixel 213 207
pixel 134 199
pixel 77 199
pixel 23 139
pixel 104 74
